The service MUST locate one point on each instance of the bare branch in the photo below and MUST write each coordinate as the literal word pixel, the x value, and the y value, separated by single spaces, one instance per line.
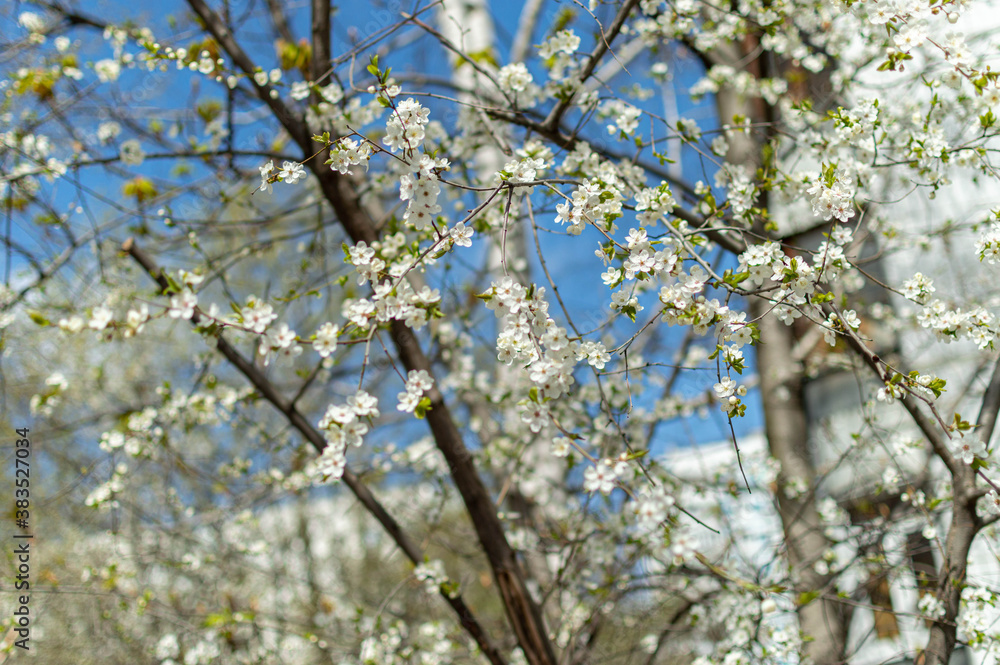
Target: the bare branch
pixel 280 21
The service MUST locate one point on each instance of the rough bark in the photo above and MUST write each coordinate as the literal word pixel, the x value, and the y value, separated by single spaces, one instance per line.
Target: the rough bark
pixel 951 577
pixel 821 619
pixel 787 429
pixel 965 525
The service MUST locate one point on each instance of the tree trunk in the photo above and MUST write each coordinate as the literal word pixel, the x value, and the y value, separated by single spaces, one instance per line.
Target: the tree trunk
pixel 821 619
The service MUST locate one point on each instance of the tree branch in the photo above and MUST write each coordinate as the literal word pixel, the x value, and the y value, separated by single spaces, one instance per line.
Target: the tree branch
pixel 280 21
pixel 927 428
pixel 320 63
pixel 987 420
pixel 525 29
pixel 311 434
pixel 522 611
pixel 73 18
pixel 719 237
pixel 603 46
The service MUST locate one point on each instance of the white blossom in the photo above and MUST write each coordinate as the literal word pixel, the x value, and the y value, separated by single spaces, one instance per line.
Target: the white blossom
pixel 968 446
pixel 290 172
pixel 182 305
pixel 514 77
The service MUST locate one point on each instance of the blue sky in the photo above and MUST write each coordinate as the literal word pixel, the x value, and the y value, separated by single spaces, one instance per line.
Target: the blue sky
pixel 169 96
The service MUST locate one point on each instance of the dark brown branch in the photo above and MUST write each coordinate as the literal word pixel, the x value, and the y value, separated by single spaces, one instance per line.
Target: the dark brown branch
pixel 522 611
pixel 311 434
pixel 603 46
pixel 319 66
pixel 729 243
pixel 926 426
pixel 74 18
pixel 280 21
pixel 965 523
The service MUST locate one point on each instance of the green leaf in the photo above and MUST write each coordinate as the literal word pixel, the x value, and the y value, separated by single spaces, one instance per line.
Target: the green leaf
pixel 806 597
pixel 39 319
pixel 172 285
pixel 734 279
pixel 422 408
pixel 217 619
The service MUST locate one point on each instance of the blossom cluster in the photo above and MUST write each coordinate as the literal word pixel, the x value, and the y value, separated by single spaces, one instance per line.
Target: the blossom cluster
pixel 976 620
pixel 348 152
pixel 919 288
pixel 949 325
pixel 654 204
pixel 832 196
pixel 392 301
pixel 653 507
pixel 531 338
pixel 728 392
pixel 418 382
pixel 431 574
pixel 766 263
pixel 343 425
pixel 594 202
pixel 420 189
pixel 406 126
pixel 988 244
pixel 604 475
